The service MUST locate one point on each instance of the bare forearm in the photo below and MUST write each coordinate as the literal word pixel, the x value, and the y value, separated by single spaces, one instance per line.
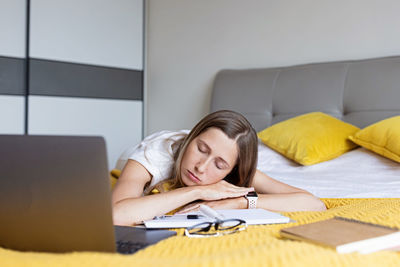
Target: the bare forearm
pixel 290 202
pixel 135 210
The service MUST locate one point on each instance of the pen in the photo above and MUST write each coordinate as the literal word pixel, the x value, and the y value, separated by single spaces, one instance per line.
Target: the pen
pixel 210 212
pixel 162 217
pixel 189 216
pixel 193 216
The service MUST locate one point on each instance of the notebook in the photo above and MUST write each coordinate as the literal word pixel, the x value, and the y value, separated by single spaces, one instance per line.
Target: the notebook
pixel 55 196
pixel 346 235
pixel 251 216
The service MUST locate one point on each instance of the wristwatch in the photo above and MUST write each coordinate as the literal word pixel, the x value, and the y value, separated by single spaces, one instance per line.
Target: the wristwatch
pixel 251 200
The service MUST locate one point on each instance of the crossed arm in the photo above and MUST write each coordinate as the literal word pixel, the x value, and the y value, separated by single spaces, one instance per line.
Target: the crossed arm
pixel 130 206
pixel 272 195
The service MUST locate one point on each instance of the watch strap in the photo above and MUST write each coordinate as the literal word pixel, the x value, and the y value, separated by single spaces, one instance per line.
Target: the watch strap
pixel 251 201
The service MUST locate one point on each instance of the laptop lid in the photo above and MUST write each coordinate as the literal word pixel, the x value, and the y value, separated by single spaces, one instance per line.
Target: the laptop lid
pixel 55 194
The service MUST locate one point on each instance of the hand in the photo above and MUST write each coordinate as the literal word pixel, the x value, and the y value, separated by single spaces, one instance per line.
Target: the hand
pixel 230 203
pixel 222 190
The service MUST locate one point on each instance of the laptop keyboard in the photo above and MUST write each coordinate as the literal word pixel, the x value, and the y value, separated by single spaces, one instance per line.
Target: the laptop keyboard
pixel 129 247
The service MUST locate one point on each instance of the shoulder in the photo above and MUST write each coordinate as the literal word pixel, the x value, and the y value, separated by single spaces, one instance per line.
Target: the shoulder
pixel 163 136
pixel 155 152
pixel 161 142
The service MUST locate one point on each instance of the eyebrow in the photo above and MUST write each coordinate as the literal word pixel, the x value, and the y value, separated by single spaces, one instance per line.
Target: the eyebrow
pixel 209 148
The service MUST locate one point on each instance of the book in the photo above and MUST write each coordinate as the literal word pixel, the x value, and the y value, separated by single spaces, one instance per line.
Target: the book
pixel 345 235
pixel 251 216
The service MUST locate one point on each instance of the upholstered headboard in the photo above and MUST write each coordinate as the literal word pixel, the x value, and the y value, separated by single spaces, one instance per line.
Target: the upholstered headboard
pixel 360 92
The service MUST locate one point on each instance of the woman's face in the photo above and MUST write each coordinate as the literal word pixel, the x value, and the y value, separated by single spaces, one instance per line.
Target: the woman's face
pixel 208 158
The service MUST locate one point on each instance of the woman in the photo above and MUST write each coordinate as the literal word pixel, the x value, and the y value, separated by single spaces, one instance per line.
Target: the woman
pixel 214 164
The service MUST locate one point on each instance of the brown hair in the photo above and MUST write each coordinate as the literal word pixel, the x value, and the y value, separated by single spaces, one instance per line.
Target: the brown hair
pixel 235 126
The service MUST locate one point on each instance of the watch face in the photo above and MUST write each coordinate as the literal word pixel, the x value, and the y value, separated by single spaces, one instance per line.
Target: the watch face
pixel 252 194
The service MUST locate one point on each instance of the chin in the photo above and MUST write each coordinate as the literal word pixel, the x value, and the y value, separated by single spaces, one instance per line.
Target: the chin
pixel 187 181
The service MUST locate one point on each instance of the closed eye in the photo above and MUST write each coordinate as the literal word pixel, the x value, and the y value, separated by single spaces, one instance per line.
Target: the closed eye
pixel 201 149
pixel 220 165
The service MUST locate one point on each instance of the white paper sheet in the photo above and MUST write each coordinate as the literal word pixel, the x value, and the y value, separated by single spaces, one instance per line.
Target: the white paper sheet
pixel 251 216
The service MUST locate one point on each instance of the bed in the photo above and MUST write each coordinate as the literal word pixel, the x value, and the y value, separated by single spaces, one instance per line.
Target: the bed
pixel 359 92
pixel 358 184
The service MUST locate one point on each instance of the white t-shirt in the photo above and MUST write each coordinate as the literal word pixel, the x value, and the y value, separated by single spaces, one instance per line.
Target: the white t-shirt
pixel 155 153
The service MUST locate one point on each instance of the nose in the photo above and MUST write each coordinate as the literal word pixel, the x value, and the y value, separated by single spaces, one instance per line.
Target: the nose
pixel 201 165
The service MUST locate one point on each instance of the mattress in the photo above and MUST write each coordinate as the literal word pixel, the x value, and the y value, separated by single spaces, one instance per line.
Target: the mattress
pixel 359 173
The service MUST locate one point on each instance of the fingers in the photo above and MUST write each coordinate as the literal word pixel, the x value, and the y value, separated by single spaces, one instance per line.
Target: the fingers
pixel 189 208
pixel 224 194
pixel 240 190
pixel 229 185
pixel 223 190
pixel 234 194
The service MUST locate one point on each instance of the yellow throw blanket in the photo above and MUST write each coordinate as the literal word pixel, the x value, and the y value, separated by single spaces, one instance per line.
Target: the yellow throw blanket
pixel 257 246
pixel 115 174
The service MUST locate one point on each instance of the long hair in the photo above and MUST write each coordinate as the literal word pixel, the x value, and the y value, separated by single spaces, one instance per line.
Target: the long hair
pixel 236 127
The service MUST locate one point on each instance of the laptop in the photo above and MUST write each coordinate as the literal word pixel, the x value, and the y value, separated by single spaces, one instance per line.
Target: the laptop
pixel 55 196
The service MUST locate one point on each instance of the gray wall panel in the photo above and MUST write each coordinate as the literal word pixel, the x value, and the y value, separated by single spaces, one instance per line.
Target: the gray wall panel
pixel 12 73
pixel 80 80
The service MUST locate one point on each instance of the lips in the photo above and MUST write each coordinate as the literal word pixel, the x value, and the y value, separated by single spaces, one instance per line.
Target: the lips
pixel 193 177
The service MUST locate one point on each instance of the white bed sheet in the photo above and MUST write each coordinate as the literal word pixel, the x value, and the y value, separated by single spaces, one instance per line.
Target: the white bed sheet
pixel 356 174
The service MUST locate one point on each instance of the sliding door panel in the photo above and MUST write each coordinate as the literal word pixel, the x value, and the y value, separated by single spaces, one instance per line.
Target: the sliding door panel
pixel 104 33
pixel 12 66
pixel 118 121
pixel 12 112
pixel 86 70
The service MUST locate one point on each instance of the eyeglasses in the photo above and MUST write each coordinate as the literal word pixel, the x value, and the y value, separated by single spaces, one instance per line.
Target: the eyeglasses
pixel 217 228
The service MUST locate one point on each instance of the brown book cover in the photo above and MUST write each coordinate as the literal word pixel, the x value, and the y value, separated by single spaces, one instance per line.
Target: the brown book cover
pixel 342 233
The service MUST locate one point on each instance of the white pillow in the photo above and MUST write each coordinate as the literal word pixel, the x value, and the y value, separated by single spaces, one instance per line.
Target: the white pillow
pixel 270 160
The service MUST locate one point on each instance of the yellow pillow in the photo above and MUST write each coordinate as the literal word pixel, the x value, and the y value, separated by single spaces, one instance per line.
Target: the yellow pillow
pixel 114 175
pixel 310 138
pixel 382 137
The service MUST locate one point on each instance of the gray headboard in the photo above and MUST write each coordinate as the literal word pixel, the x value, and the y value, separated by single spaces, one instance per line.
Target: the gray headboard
pixel 360 92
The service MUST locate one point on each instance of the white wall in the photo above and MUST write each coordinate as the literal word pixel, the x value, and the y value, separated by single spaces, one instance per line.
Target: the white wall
pixel 189 41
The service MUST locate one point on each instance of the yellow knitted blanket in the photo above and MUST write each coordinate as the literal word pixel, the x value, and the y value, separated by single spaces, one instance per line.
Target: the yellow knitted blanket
pixel 257 246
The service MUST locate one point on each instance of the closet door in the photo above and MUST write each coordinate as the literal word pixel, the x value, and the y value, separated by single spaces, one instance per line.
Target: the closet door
pixel 12 66
pixel 86 70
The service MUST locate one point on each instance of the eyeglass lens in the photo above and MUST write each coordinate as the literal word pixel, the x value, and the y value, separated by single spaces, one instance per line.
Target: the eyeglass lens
pixel 218 228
